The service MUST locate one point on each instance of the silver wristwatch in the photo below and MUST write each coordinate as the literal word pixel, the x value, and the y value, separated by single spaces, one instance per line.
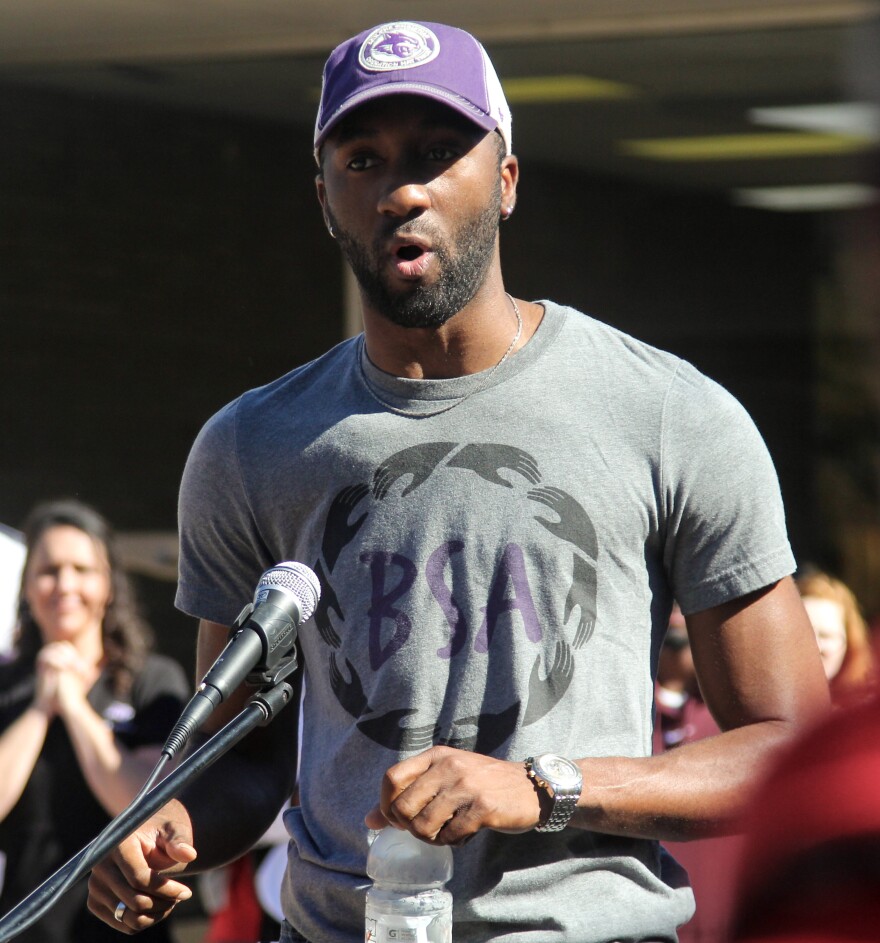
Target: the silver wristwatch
pixel 562 780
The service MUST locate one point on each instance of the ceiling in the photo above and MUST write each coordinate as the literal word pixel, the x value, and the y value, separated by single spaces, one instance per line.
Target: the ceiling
pixel 662 91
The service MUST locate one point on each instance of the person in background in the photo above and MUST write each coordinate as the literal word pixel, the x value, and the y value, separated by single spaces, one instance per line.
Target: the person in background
pixel 844 640
pixel 682 717
pixel 84 711
pixel 681 714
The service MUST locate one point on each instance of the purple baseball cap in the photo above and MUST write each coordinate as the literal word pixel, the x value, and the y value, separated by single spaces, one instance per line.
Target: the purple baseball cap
pixel 429 59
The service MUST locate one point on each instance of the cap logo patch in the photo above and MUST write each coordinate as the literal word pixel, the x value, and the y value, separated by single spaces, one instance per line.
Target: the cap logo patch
pixel 398 46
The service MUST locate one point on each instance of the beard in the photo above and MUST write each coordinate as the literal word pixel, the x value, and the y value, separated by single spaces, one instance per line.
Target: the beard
pixel 463 260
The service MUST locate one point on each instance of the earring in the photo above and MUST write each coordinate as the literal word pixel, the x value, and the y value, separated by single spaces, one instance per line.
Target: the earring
pixel 331 231
pixel 507 213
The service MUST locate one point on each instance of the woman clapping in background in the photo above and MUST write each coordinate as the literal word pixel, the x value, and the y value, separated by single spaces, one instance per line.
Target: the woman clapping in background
pixel 84 711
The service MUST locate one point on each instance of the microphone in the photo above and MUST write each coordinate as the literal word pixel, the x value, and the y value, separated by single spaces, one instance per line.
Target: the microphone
pixel 262 636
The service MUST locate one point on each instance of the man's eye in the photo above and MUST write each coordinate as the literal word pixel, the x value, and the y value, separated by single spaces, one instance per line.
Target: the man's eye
pixel 442 152
pixel 361 162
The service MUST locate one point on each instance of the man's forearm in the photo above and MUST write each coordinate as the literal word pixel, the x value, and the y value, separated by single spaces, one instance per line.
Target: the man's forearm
pixel 694 791
pixel 233 802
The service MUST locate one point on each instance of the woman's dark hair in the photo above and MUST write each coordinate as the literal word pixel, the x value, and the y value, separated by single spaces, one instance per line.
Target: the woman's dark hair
pixel 126 637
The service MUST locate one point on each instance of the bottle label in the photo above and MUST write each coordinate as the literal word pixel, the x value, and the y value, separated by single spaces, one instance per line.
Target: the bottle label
pixel 399 929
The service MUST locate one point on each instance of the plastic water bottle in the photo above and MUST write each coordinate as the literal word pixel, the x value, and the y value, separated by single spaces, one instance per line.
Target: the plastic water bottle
pixel 408 902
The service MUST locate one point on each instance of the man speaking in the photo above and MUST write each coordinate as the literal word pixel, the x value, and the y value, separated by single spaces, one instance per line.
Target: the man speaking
pixel 500 498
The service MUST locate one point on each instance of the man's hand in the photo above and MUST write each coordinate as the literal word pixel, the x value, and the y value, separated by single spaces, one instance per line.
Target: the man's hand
pixel 136 873
pixel 445 796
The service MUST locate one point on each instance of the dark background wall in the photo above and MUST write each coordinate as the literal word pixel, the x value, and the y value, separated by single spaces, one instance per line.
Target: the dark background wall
pixel 154 264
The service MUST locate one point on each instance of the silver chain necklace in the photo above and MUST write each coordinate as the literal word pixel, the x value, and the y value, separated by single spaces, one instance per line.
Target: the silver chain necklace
pixel 443 409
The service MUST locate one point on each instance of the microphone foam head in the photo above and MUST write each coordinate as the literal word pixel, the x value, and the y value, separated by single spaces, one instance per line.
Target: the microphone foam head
pixel 297 579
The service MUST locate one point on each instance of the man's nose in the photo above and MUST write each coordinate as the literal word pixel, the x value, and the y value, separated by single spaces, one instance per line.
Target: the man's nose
pixel 403 196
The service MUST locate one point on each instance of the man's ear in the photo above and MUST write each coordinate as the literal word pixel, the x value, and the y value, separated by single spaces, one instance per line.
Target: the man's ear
pixel 321 192
pixel 509 181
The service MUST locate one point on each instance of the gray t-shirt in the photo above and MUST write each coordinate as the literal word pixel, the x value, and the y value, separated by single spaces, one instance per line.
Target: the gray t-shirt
pixel 495 576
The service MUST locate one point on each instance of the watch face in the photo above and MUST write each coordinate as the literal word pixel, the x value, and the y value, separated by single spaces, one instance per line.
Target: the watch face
pixel 558 769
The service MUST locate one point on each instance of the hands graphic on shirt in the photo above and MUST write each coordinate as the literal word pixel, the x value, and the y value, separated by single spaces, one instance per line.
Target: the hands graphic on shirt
pixel 574 524
pixel 329 602
pixel 339 531
pixel 418 462
pixel 350 694
pixel 546 693
pixel 385 729
pixel 553 670
pixel 488 459
pixel 582 596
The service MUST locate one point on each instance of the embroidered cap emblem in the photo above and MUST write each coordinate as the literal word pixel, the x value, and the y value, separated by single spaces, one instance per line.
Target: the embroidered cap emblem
pixel 398 46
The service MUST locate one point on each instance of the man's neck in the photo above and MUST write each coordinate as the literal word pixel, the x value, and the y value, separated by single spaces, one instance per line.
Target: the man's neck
pixel 473 340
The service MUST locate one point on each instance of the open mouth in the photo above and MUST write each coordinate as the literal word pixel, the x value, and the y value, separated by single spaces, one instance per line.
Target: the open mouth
pixel 412 260
pixel 410 253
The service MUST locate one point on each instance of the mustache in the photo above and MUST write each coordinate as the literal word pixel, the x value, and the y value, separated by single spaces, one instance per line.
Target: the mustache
pixel 411 228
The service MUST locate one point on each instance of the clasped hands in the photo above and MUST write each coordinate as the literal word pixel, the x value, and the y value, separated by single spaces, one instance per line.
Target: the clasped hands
pixel 62 676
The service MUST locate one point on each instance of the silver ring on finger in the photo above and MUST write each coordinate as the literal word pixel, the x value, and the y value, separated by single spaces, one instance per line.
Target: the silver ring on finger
pixel 118 913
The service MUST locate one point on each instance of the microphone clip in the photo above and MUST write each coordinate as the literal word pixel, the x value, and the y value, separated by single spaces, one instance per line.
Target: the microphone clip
pixel 274 676
pixel 269 672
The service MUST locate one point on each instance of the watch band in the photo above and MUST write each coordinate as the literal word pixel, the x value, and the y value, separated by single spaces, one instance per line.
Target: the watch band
pixel 563 809
pixel 564 788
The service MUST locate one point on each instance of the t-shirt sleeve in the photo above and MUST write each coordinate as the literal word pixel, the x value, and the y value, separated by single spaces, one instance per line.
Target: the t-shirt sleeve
pixel 158 696
pixel 725 522
pixel 221 551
